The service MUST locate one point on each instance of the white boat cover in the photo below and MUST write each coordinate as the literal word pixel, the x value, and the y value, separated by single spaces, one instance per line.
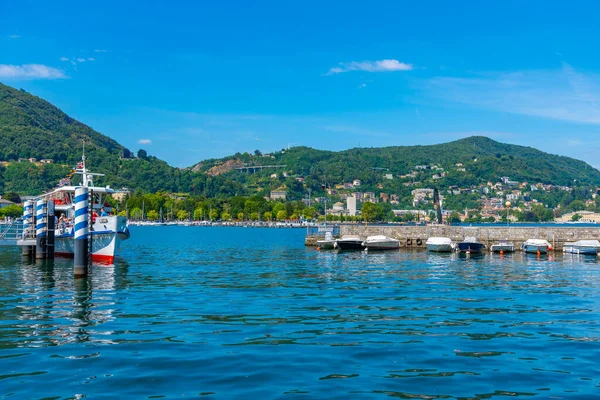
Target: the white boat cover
pixel 537 242
pixel 586 243
pixel 438 240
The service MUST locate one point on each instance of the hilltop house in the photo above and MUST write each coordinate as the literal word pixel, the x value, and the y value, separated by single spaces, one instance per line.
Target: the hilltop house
pixel 6 203
pixel 279 194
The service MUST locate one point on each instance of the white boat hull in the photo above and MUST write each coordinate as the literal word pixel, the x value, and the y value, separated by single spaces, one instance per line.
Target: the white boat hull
pixel 587 247
pixel 502 247
pixel 107 235
pixel 381 243
pixel 532 248
pixel 440 247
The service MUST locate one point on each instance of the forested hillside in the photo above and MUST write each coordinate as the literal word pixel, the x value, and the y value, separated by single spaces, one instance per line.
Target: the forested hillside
pixel 464 163
pixel 32 127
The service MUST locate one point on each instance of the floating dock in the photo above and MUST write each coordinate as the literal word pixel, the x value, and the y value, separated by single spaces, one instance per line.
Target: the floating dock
pixel 416 236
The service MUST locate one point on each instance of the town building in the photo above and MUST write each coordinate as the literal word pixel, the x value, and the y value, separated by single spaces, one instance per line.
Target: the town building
pixel 351 205
pixel 278 194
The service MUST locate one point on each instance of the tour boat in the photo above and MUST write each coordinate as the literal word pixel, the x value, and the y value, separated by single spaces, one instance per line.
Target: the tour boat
pixel 590 247
pixel 107 231
pixel 536 245
pixel 349 242
pixel 503 246
pixel 381 242
pixel 470 245
pixel 439 244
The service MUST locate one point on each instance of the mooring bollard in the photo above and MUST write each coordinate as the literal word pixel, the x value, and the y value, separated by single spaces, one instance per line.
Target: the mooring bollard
pixel 27 251
pixel 81 231
pixel 50 230
pixel 40 229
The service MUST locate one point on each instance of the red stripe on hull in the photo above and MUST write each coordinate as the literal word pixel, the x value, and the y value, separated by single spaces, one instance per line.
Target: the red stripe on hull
pixel 100 258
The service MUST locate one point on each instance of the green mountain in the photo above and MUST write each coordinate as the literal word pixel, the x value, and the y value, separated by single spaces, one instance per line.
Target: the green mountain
pixel 482 159
pixel 32 127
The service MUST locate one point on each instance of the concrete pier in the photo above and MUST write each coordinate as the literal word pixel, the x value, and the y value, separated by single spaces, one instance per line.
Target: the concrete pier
pixel 416 236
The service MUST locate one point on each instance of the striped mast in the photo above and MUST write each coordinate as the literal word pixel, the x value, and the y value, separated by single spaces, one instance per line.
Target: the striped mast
pixel 40 229
pixel 81 250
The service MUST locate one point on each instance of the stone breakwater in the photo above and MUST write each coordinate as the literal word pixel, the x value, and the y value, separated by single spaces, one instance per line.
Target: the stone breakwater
pixel 416 236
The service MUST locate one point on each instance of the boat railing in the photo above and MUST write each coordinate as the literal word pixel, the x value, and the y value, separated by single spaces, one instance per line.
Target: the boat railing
pixel 322 230
pixel 14 231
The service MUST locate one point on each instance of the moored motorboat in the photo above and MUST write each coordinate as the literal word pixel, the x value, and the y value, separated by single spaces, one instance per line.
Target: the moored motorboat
pixel 439 244
pixel 381 242
pixel 326 243
pixel 349 242
pixel 569 247
pixel 503 246
pixel 470 245
pixel 589 247
pixel 536 245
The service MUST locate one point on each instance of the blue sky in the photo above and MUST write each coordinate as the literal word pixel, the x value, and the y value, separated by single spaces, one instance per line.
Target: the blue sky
pixel 190 80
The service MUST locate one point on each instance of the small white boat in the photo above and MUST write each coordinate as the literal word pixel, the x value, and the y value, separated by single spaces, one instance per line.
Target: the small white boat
pixel 536 245
pixel 327 243
pixel 590 247
pixel 503 246
pixel 349 242
pixel 381 242
pixel 439 244
pixel 569 247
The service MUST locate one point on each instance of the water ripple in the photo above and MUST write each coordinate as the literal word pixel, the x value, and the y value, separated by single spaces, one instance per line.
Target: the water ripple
pixel 252 313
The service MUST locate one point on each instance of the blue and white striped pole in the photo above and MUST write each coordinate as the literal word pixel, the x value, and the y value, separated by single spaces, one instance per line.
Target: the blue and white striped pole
pixel 40 229
pixel 27 218
pixel 80 247
pixel 27 250
pixel 51 220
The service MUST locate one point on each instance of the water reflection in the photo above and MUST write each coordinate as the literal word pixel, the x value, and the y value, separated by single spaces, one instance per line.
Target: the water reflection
pixel 51 308
pixel 260 315
pixel 81 315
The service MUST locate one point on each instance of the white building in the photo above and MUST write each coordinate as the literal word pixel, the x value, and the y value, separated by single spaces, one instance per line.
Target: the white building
pixel 351 205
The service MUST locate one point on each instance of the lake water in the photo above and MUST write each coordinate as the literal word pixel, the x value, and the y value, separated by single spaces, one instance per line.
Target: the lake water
pixel 252 313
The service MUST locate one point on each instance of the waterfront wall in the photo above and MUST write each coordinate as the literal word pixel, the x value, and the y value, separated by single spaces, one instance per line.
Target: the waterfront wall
pixel 416 236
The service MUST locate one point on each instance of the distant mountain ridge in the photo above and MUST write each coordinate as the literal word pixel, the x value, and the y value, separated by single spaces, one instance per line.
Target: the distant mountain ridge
pixel 32 127
pixel 482 158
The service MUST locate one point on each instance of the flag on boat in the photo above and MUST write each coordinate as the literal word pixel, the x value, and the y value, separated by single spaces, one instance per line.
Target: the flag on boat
pixel 79 165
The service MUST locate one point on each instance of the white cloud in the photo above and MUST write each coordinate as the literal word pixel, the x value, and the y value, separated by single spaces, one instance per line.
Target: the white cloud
pixel 562 94
pixel 145 141
pixel 14 36
pixel 362 85
pixel 100 51
pixel 371 66
pixel 81 59
pixel 64 59
pixel 30 71
pixel 91 59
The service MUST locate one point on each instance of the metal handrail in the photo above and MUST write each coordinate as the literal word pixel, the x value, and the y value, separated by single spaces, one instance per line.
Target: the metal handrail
pixel 13 231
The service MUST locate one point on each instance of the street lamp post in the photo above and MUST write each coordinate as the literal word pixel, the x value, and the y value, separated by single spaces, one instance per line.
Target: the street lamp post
pixel 324 187
pixel 507 204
